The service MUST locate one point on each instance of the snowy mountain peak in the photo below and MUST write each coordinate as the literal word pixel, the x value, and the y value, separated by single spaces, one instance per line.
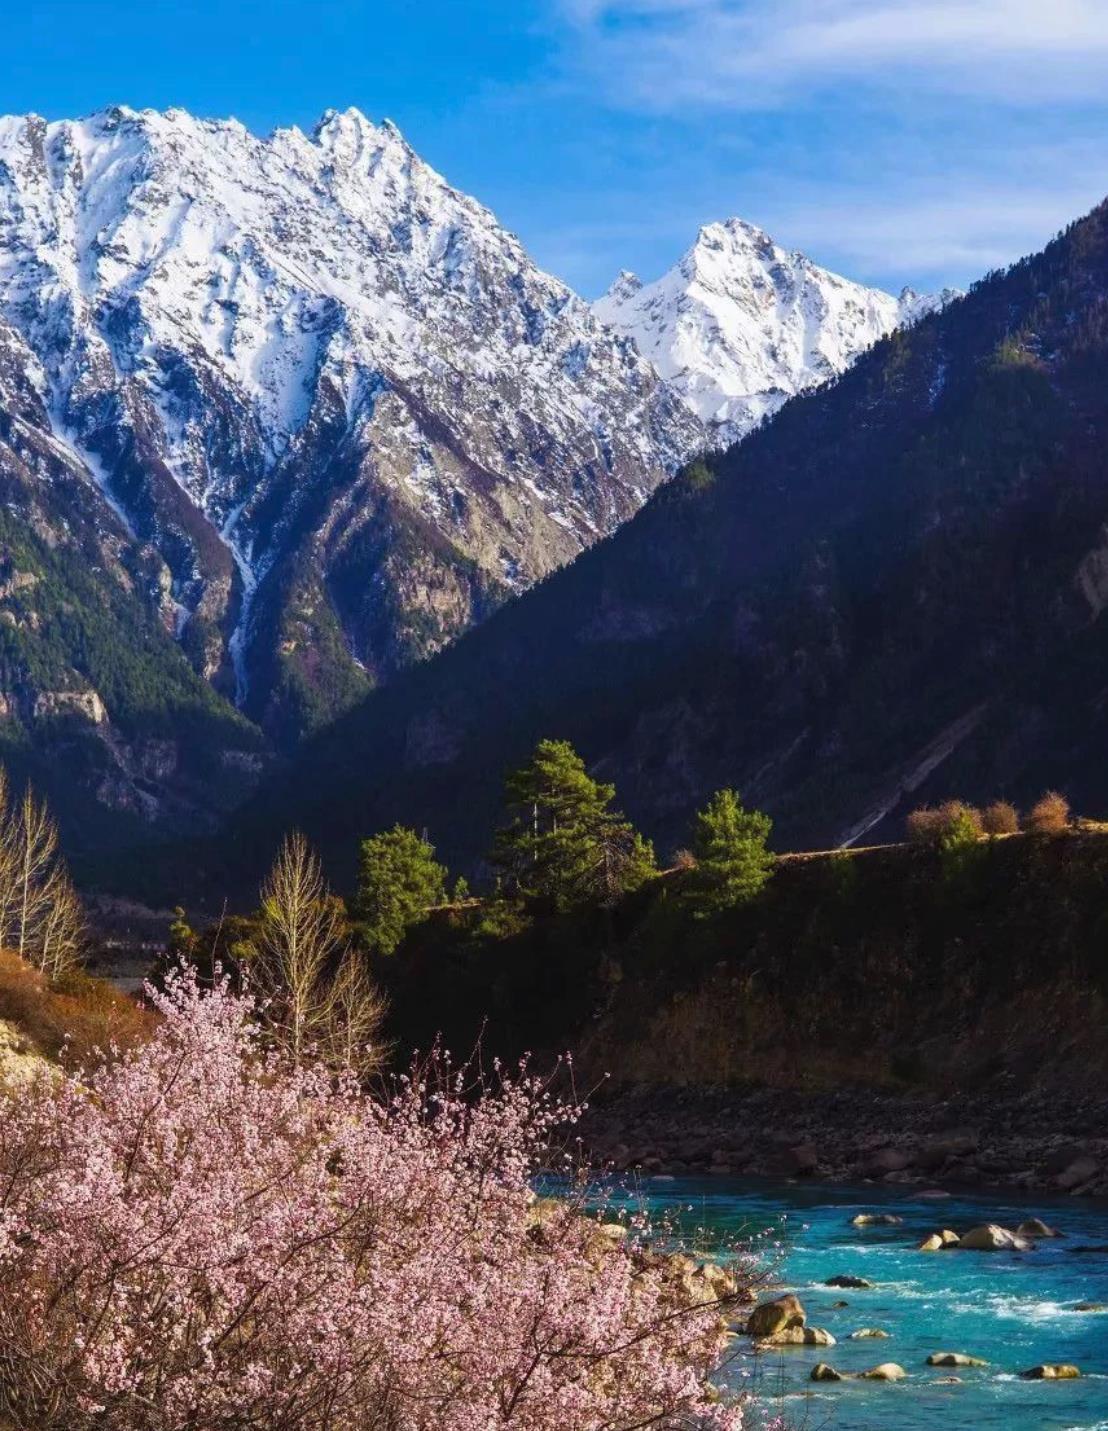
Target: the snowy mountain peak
pixel 740 324
pixel 309 371
pixel 626 285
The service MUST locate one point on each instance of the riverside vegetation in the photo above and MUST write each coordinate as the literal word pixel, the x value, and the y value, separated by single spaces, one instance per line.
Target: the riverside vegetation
pixel 940 1002
pixel 215 1223
pixel 220 1222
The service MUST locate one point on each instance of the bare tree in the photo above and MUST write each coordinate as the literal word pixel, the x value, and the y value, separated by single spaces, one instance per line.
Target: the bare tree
pixel 60 935
pixel 319 996
pixel 353 1016
pixel 40 914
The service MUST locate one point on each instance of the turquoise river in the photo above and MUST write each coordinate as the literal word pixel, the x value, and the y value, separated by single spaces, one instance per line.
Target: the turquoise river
pixel 1013 1309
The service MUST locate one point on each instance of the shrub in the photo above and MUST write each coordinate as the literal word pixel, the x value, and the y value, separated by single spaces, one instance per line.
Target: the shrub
pixel 952 821
pixel 203 1235
pixel 1049 815
pixel 1000 818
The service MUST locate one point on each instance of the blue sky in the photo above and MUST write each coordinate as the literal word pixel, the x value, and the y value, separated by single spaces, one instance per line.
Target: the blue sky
pixel 898 141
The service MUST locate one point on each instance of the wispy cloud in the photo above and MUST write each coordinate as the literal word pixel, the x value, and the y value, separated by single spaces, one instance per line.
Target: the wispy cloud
pixel 760 53
pixel 922 141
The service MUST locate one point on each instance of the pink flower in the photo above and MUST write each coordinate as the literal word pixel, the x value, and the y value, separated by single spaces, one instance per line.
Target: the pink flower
pixel 200 1236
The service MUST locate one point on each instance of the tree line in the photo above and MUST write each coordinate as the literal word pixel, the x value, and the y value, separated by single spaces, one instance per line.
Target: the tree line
pixel 562 846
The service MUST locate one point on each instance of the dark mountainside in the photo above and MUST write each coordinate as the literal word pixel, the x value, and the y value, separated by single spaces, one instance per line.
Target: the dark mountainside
pixel 890 592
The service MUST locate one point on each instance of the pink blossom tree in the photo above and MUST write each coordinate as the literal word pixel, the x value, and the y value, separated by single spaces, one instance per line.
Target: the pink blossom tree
pixel 199 1235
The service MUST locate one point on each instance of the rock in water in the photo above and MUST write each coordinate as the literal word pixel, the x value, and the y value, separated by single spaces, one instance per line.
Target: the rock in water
pixel 991 1237
pixel 867 1333
pixel 1034 1227
pixel 769 1318
pixel 939 1240
pixel 843 1279
pixel 887 1371
pixel 822 1372
pixel 876 1219
pixel 954 1359
pixel 1057 1371
pixel 798 1337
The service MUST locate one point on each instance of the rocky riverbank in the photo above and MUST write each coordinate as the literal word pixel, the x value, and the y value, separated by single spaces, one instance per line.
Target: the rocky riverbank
pixel 1029 1143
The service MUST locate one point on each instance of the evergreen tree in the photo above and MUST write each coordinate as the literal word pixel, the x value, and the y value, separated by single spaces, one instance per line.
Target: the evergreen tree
pixel 399 880
pixel 562 842
pixel 732 861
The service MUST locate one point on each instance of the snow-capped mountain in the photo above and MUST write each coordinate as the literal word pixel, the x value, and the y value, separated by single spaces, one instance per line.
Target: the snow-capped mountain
pixel 740 324
pixel 333 394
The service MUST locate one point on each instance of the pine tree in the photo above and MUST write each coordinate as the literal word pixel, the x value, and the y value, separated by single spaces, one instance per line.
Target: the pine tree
pixel 399 880
pixel 732 861
pixel 562 843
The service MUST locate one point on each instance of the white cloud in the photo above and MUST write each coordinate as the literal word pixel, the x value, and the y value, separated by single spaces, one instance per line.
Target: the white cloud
pixel 759 53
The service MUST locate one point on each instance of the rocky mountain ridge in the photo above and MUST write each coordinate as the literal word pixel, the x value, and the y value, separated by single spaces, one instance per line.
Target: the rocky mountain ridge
pixel 336 397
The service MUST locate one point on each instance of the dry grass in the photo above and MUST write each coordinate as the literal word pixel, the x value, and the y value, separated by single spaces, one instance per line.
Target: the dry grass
pixel 70 1019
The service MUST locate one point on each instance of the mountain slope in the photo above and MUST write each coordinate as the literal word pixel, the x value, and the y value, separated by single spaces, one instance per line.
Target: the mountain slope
pixel 98 705
pixel 740 324
pixel 336 397
pixel 894 590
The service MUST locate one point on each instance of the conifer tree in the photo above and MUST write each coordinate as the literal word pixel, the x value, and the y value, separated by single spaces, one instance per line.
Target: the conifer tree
pixel 732 861
pixel 562 842
pixel 399 880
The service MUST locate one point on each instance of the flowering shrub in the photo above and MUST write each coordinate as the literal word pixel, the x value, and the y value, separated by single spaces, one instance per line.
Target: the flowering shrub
pixel 199 1236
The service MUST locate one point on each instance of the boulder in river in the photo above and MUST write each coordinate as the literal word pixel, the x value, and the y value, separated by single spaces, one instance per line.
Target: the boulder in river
pixel 1035 1227
pixel 822 1372
pixel 991 1237
pixel 798 1337
pixel 1057 1371
pixel 938 1241
pixel 954 1359
pixel 876 1219
pixel 1090 1307
pixel 769 1318
pixel 867 1334
pixel 887 1371
pixel 843 1279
